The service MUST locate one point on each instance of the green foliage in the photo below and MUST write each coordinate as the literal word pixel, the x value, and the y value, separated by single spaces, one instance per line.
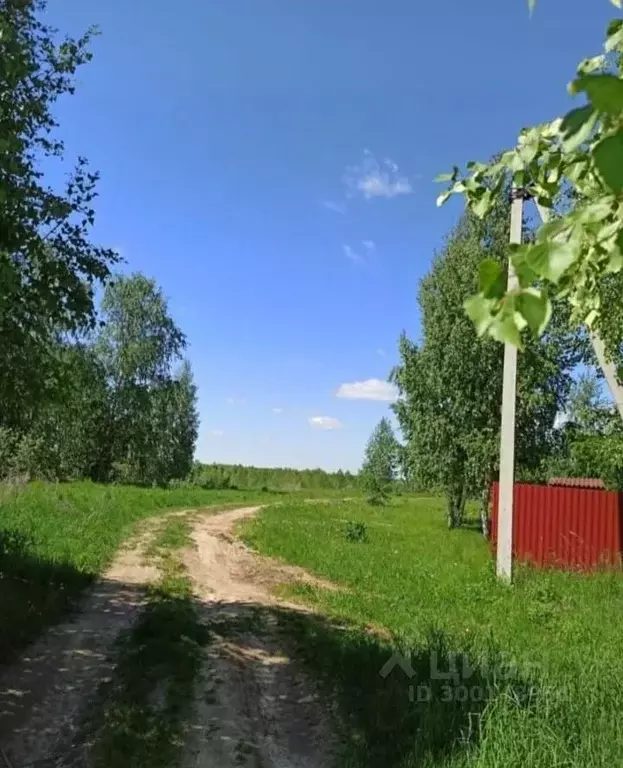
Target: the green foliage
pixel 22 456
pixel 71 424
pixel 378 472
pixel 450 385
pixel 215 476
pixel 611 322
pixel 537 702
pixel 588 411
pixel 356 532
pixel 599 456
pixel 140 340
pixel 119 409
pixel 48 266
pixel 591 440
pixel 152 421
pixel 575 253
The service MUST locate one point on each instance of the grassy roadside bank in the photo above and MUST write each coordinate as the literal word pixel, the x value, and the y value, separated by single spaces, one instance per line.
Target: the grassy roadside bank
pixel 56 538
pixel 527 677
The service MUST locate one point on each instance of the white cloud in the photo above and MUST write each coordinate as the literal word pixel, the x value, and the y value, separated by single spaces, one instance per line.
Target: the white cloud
pixel 217 432
pixel 331 205
pixel 370 245
pixel 372 178
pixel 371 389
pixel 380 352
pixel 352 254
pixel 277 410
pixel 325 422
pixel 235 400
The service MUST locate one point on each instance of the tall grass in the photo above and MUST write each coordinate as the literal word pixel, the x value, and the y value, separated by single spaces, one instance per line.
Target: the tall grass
pixel 543 684
pixel 83 523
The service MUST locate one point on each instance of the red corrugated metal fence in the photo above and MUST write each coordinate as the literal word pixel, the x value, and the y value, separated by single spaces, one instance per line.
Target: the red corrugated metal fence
pixel 568 527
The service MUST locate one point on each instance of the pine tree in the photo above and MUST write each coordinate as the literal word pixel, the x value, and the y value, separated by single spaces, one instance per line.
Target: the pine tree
pixel 379 467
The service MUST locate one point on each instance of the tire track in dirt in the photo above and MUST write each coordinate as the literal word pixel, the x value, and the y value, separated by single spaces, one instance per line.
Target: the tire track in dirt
pixel 255 708
pixel 44 695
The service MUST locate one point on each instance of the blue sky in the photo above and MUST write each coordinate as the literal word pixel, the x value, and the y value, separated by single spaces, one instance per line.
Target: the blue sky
pixel 270 164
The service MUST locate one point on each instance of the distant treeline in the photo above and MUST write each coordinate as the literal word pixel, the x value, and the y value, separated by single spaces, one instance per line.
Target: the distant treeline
pixel 220 476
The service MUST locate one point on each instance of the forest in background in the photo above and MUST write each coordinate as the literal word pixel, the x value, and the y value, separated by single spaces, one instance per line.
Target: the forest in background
pixel 241 477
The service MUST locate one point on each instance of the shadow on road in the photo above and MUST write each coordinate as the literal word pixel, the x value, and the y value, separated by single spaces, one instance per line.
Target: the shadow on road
pixel 46 676
pixel 427 708
pixel 419 707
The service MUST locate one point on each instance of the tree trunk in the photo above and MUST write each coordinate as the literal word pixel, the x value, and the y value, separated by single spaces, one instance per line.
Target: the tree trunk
pixel 460 508
pixel 456 504
pixel 484 511
pixel 450 513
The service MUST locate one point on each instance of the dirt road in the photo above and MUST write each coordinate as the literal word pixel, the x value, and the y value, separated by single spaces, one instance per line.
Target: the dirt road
pixel 262 711
pixel 254 707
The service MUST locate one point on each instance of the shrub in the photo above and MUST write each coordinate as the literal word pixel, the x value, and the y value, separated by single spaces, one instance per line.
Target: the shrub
pixel 356 532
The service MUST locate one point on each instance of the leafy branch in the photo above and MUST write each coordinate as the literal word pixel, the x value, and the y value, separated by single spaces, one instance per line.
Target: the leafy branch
pixel 580 154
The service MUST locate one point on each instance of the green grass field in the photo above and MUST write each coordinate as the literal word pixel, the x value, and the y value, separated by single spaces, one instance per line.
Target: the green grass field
pixel 539 665
pixel 55 538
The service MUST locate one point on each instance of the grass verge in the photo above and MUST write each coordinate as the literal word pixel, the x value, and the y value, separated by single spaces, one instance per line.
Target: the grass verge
pixel 175 534
pixel 523 677
pixel 142 713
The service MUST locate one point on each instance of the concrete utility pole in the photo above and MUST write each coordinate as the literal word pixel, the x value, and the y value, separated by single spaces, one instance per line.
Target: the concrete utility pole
pixel 507 432
pixel 609 369
pixel 509 387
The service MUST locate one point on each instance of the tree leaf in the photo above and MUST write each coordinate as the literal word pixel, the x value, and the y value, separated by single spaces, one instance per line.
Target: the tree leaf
pixel 444 197
pixel 478 309
pixel 535 307
pixel 520 321
pixel 614 35
pixel 482 205
pixel 605 92
pixel 491 279
pixel 615 260
pixel 592 65
pixel 525 274
pixel 505 329
pixel 608 158
pixel 591 317
pixel 551 259
pixel 550 229
pixel 561 257
pixel 577 127
pixel 595 212
pixel 445 177
pixel 607 232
